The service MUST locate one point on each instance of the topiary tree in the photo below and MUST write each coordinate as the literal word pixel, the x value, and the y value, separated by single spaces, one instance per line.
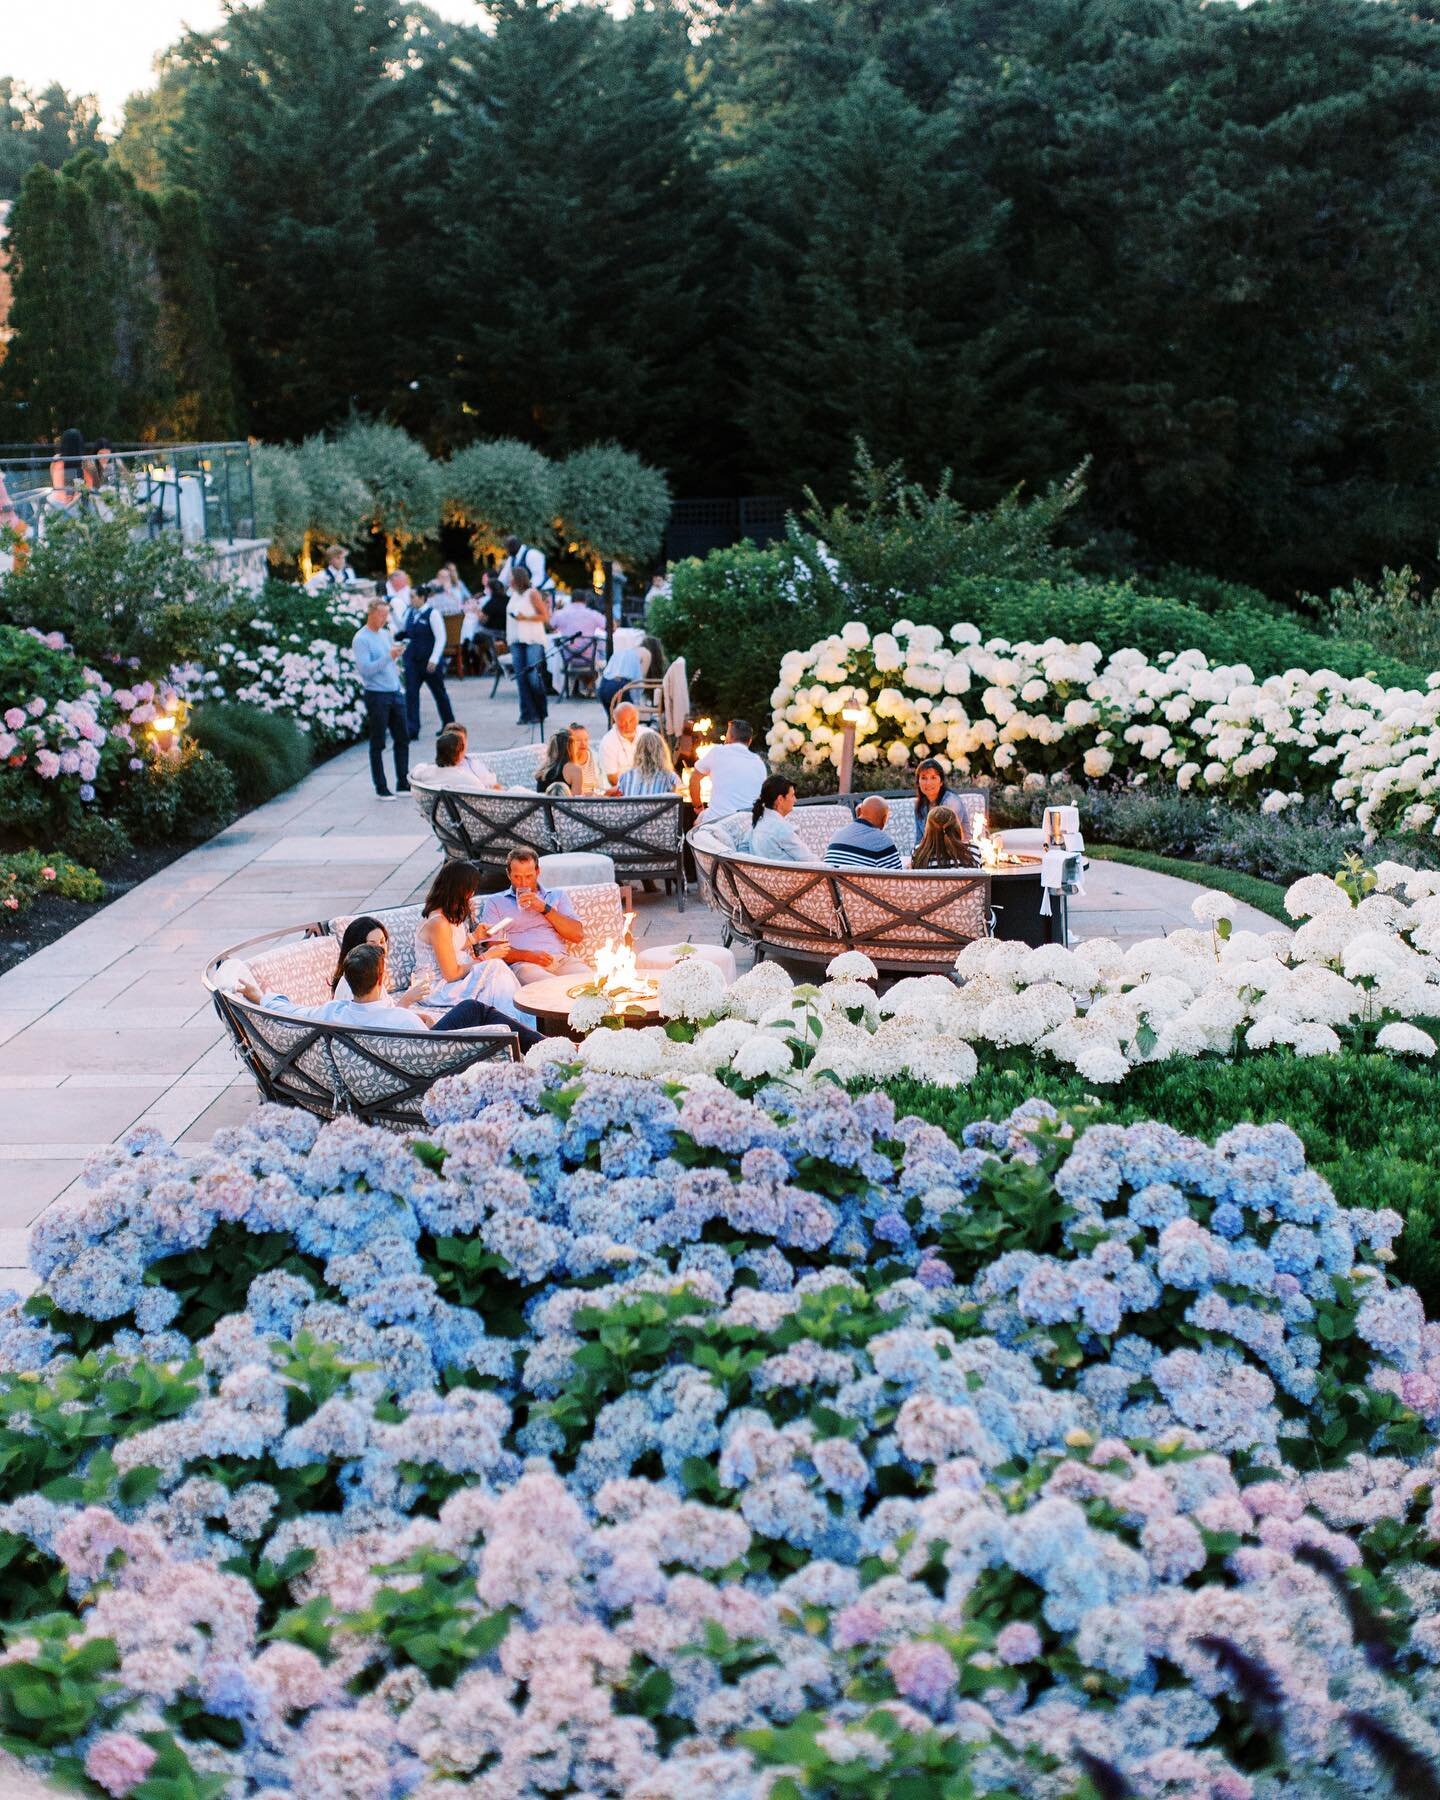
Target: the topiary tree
pixel 613 506
pixel 403 481
pixel 502 486
pixel 282 499
pixel 339 502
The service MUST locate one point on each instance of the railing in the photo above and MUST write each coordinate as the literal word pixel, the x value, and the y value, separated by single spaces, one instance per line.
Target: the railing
pixel 697 527
pixel 203 491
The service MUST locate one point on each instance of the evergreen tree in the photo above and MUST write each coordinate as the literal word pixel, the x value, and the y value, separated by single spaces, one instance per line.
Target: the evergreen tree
pixel 586 291
pixel 43 128
pixel 296 135
pixel 56 372
pixel 202 403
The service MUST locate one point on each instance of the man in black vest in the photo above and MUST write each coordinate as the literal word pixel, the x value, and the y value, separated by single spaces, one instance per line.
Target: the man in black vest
pixel 423 634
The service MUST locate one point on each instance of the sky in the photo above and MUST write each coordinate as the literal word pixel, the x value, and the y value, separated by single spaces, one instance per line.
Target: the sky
pixel 107 47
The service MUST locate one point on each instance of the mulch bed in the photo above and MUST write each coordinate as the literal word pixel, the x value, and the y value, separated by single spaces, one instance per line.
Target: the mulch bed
pixel 48 919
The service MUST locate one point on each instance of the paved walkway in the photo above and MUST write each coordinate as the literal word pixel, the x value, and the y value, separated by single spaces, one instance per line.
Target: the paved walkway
pixel 110 1028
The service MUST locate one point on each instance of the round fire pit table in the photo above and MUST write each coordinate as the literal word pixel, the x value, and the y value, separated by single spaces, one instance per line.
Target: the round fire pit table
pixel 549 1003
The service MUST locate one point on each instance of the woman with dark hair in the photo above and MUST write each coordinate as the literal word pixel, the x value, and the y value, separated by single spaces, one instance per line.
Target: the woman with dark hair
pixel 944 844
pixel 366 930
pixel 448 953
pixel 772 836
pixel 932 788
pixel 558 768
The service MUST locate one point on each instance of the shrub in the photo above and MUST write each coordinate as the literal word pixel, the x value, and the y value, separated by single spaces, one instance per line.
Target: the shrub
pixel 337 500
pixel 285 651
pixel 265 752
pixel 612 505
pixel 26 875
pixel 97 840
pixel 402 480
pixel 149 603
pixel 1395 613
pixel 182 799
pixel 737 597
pixel 282 500
pixel 501 486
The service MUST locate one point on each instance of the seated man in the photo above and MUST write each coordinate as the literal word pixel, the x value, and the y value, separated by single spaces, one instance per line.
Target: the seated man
pixel 372 1007
pixel 864 843
pixel 617 747
pixel 540 921
pixel 735 772
pixel 453 769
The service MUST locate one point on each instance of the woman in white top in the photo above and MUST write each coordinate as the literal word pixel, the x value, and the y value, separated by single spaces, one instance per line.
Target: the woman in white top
pixel 527 613
pixel 772 836
pixel 446 957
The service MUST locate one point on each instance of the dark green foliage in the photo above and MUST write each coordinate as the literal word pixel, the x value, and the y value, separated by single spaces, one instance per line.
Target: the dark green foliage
pixel 179 800
pixel 614 506
pixel 264 752
pixel 98 841
pixel 1366 1120
pixel 46 128
pixel 201 396
pixel 298 137
pixel 117 595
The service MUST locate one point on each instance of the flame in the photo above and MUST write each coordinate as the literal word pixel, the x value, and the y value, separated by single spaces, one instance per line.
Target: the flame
pixel 991 850
pixel 616 971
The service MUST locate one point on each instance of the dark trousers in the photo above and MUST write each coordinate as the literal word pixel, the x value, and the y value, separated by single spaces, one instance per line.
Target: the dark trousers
pixel 606 692
pixel 465 1015
pixel 528 661
pixel 418 675
pixel 387 713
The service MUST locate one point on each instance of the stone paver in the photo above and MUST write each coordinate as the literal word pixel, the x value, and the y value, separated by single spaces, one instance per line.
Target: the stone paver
pixel 110 1027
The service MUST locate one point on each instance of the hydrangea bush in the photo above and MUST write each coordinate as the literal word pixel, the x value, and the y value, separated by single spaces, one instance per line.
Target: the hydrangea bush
pixel 70 736
pixel 629 1438
pixel 1052 711
pixel 1361 970
pixel 286 651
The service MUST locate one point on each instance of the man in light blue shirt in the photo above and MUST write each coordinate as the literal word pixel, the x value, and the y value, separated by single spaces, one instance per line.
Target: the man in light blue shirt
pixel 376 657
pixel 542 928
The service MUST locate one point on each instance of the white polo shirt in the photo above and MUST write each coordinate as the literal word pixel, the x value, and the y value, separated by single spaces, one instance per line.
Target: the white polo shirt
pixel 736 777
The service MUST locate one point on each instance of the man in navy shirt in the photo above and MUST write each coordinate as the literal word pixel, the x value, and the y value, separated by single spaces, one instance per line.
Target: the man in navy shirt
pixel 543 928
pixel 423 634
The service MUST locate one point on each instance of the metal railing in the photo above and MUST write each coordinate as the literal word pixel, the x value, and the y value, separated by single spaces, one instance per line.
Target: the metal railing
pixel 206 492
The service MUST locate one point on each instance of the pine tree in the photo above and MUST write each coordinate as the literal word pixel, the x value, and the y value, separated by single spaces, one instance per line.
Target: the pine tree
pixel 294 135
pixel 193 343
pixel 585 293
pixel 57 369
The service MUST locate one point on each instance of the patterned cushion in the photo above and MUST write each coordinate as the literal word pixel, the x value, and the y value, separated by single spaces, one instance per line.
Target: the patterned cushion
pixel 377 1067
pixel 911 916
pixel 513 768
pixel 301 971
pixel 791 907
pixel 290 1053
pixel 651 829
pixel 816 825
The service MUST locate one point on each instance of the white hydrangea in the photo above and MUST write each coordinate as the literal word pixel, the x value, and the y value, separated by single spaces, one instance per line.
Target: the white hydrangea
pixel 587 1011
pixel 624 1052
pixel 851 965
pixel 1213 906
pixel 691 989
pixel 763 1056
pixel 1405 1040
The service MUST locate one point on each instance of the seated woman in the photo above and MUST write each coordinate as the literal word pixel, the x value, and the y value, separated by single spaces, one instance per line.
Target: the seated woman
pixel 651 770
pixel 366 930
pixel 446 944
pixel 932 788
pixel 772 836
pixel 453 768
pixel 570 767
pixel 944 844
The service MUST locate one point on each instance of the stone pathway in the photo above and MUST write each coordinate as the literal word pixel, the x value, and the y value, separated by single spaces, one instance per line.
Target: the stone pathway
pixel 110 1027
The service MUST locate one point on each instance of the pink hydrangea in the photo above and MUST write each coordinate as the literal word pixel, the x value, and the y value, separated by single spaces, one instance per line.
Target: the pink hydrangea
pixel 923 1672
pixel 1017 1642
pixel 14 717
pixel 47 764
pixel 35 707
pixel 118 1762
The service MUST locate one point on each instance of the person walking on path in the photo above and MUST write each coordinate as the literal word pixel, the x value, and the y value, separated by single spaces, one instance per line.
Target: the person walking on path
pixel 423 634
pixel 376 656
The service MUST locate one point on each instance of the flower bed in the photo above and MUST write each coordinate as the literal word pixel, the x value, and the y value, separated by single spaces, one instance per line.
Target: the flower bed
pixel 1362 969
pixel 624 1440
pixel 1053 711
pixel 288 652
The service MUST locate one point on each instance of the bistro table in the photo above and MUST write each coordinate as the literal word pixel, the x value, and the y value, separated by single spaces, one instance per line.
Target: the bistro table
pixel 549 1002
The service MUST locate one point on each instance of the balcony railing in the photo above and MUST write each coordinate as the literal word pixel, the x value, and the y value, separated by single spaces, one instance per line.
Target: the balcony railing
pixel 206 492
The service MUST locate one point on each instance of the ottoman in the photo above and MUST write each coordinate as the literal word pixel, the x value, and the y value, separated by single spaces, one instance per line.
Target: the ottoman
pixel 576 868
pixel 665 956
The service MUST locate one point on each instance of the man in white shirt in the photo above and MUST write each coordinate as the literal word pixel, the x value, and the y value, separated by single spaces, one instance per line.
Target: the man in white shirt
pixel 335 572
pixel 736 773
pixel 453 769
pixel 373 1008
pixel 525 556
pixel 617 747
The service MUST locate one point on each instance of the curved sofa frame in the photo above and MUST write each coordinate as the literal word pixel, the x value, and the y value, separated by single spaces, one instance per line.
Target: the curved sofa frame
pixel 376 1075
pixel 905 921
pixel 643 836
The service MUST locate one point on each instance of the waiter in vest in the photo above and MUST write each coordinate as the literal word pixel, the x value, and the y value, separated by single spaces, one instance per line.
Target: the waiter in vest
pixel 525 556
pixel 422 631
pixel 336 572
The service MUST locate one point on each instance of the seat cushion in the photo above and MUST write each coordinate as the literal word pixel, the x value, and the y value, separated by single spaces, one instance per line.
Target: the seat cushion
pixel 301 971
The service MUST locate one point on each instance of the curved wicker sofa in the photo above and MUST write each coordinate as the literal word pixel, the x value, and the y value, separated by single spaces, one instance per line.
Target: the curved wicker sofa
pixel 643 837
pixel 908 921
pixel 377 1075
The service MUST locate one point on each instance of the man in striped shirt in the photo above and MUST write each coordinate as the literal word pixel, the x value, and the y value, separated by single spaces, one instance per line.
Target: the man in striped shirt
pixel 864 843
